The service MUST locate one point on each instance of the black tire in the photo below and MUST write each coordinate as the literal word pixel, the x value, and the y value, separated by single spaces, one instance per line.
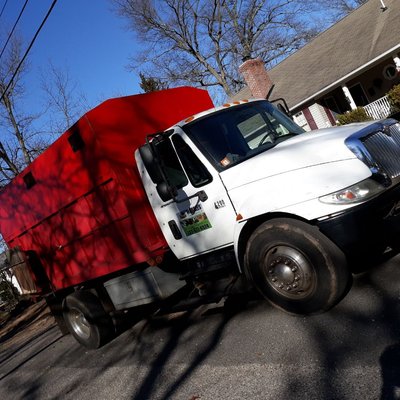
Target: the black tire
pixel 86 320
pixel 296 267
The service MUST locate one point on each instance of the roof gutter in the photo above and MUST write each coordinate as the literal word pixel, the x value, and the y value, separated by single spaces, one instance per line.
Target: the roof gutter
pixel 346 77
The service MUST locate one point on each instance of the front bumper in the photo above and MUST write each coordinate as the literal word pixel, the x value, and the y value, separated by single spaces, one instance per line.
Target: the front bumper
pixel 365 231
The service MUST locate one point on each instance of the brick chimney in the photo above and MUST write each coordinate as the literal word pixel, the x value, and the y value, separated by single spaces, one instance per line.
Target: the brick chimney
pixel 256 77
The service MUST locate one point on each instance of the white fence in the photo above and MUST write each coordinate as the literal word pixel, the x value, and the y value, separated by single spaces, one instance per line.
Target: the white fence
pixel 379 109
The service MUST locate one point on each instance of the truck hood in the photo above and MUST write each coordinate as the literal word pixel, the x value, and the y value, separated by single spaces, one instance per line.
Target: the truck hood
pixel 303 151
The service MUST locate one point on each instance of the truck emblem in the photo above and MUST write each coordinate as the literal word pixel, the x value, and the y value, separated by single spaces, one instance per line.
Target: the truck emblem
pixel 219 204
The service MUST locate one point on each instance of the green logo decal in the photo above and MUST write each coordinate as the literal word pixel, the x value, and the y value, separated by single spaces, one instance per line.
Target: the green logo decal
pixel 194 220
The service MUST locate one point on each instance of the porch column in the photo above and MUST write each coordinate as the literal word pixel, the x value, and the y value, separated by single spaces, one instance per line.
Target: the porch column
pixel 396 60
pixel 349 97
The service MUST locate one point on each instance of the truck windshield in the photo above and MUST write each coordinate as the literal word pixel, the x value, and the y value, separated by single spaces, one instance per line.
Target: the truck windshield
pixel 238 133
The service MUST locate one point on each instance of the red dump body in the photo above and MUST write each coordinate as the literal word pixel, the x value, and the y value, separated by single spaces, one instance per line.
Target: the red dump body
pixel 81 206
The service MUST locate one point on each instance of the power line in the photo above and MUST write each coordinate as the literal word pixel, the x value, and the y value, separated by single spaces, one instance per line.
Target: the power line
pixel 12 30
pixel 28 49
pixel 4 6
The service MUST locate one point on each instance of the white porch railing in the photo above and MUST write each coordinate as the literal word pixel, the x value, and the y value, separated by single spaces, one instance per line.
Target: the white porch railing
pixel 379 109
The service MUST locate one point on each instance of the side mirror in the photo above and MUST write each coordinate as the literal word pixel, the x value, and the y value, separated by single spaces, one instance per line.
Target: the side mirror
pixel 166 192
pixel 281 108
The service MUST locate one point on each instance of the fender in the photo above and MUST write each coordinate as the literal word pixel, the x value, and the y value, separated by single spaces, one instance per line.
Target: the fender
pixel 244 229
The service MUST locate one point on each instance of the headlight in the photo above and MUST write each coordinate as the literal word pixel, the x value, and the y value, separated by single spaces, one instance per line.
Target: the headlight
pixel 361 191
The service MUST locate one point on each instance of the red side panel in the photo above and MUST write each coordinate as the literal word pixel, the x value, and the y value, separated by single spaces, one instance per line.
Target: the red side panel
pixel 122 124
pixel 86 214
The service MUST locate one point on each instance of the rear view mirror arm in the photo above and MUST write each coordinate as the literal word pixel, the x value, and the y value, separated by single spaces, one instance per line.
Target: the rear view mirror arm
pixel 201 195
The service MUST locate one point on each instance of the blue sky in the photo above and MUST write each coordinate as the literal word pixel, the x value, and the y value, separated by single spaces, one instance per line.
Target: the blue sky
pixel 84 35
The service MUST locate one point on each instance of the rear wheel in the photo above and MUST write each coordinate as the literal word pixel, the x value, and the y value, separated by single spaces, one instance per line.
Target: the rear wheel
pixel 86 320
pixel 296 267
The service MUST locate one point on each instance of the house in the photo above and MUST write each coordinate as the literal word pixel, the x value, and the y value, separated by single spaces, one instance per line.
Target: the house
pixel 353 63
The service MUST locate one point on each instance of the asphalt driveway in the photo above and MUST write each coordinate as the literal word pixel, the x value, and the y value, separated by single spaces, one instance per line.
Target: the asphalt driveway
pixel 351 352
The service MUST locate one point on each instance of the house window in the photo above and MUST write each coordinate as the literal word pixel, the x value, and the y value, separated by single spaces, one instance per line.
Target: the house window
pixel 389 72
pixel 358 94
pixel 300 119
pixel 330 102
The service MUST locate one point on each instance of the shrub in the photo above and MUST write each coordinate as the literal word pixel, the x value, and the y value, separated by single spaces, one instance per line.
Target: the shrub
pixel 394 97
pixel 8 292
pixel 357 115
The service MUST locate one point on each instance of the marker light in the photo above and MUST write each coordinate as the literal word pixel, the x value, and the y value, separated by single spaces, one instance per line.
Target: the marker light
pixel 357 193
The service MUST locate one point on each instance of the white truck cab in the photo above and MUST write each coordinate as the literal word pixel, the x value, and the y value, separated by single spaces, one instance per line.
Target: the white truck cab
pixel 295 212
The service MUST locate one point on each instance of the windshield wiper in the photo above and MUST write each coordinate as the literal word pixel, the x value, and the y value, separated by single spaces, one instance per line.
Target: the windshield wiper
pixel 268 134
pixel 287 136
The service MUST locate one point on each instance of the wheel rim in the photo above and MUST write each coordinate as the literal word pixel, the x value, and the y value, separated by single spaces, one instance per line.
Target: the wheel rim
pixel 289 272
pixel 79 323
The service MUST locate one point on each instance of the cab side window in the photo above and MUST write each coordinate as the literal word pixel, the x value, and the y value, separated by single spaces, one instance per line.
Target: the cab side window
pixel 195 170
pixel 171 165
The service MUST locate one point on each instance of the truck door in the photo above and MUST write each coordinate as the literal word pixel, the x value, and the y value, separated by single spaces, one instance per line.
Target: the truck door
pixel 201 217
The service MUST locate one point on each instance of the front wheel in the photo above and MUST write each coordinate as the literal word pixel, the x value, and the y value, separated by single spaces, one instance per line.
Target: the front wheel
pixel 296 267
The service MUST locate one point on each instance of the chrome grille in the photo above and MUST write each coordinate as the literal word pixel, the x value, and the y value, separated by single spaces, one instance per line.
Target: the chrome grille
pixel 385 149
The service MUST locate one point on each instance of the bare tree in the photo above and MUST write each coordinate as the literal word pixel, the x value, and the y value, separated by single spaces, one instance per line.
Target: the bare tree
pixel 65 99
pixel 20 138
pixel 21 141
pixel 347 6
pixel 340 8
pixel 19 144
pixel 202 42
pixel 150 84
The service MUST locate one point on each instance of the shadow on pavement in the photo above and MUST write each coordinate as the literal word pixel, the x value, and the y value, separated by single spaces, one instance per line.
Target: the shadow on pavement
pixel 360 328
pixel 153 346
pixel 24 315
pixel 177 330
pixel 390 367
pixel 181 328
pixel 31 356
